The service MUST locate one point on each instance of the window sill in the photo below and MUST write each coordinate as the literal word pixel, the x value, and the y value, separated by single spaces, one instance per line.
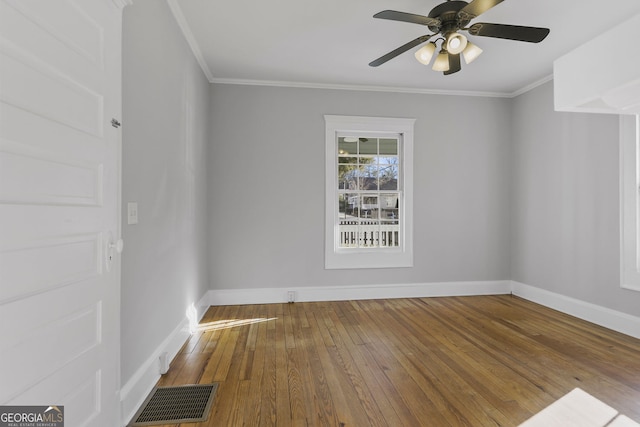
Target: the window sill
pixel 378 259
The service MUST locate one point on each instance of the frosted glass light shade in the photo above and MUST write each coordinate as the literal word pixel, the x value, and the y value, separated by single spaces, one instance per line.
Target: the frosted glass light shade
pixel 425 53
pixel 471 52
pixel 442 61
pixel 456 43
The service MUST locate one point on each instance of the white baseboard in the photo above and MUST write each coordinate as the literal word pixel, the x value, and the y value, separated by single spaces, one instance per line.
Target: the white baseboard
pixel 344 293
pixel 612 319
pixel 135 391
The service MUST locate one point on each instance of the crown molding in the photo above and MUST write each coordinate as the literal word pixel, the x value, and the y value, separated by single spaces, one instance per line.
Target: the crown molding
pixel 531 86
pixel 392 89
pixel 188 35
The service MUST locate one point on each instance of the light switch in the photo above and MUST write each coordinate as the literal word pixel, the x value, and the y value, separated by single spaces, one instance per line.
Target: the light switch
pixel 132 213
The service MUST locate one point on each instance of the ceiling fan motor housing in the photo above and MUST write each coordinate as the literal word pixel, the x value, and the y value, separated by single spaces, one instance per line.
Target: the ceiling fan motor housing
pixel 449 17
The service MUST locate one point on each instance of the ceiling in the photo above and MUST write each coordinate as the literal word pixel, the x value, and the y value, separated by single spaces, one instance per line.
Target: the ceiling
pixel 330 43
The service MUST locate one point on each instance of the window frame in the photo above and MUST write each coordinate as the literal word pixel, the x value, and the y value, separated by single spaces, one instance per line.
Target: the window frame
pixel 379 257
pixel 630 202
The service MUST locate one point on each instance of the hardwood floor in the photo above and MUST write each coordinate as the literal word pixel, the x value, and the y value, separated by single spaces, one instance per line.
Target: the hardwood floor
pixel 456 361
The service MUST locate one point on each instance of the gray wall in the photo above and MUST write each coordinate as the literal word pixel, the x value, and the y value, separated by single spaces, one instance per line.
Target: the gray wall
pixel 266 186
pixel 565 216
pixel 504 189
pixel 164 261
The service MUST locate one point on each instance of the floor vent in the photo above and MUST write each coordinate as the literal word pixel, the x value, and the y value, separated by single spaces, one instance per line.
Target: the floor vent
pixel 180 404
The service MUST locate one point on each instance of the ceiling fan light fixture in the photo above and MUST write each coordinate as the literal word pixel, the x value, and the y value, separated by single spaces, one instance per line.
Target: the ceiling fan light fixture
pixel 471 53
pixel 425 53
pixel 456 43
pixel 442 61
pixel 446 21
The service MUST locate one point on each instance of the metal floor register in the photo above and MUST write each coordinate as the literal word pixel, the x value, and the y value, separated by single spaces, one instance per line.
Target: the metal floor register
pixel 180 404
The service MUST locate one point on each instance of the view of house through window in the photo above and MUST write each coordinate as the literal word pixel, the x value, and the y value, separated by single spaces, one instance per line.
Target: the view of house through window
pixel 368 191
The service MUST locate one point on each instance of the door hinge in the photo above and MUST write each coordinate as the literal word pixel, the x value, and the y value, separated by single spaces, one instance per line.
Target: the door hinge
pixel 116 124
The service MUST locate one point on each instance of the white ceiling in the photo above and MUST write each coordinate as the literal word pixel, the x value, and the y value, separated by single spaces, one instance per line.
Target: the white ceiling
pixel 330 43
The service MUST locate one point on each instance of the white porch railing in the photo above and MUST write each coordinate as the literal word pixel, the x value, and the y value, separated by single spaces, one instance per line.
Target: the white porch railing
pixel 368 234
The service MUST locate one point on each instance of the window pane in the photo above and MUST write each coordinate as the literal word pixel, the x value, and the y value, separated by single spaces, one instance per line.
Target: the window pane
pixel 351 206
pixel 343 177
pixel 347 159
pixel 347 146
pixel 389 234
pixel 388 146
pixel 389 224
pixel 368 146
pixel 368 235
pixel 389 206
pixel 348 177
pixel 388 173
pixel 348 230
pixel 342 206
pixel 369 177
pixel 369 207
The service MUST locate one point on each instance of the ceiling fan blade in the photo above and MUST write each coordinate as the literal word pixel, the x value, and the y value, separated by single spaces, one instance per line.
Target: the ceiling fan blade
pixel 476 8
pixel 454 64
pixel 511 32
pixel 405 47
pixel 394 15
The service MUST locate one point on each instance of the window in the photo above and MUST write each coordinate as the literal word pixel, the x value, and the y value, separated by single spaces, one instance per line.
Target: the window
pixel 630 202
pixel 369 192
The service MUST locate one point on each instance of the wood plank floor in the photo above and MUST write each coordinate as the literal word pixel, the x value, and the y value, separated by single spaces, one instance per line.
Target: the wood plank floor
pixel 455 361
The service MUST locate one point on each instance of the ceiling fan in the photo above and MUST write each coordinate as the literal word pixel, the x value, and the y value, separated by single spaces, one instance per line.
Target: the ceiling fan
pixel 446 20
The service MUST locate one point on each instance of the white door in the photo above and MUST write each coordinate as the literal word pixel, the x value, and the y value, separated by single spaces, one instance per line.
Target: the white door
pixel 59 207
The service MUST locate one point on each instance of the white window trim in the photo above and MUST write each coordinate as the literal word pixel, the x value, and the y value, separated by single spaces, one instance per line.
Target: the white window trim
pixel 630 202
pixel 336 258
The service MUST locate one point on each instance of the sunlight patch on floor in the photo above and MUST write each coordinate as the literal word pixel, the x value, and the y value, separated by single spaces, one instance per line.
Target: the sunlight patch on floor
pixel 579 409
pixel 230 323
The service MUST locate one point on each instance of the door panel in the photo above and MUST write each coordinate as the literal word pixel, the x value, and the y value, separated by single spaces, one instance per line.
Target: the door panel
pixel 59 205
